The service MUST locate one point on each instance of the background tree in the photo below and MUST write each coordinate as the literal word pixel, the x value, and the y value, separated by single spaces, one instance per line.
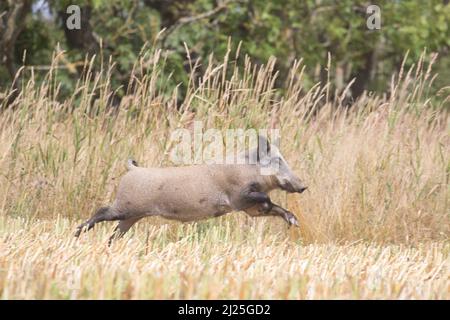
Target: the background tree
pixel 286 29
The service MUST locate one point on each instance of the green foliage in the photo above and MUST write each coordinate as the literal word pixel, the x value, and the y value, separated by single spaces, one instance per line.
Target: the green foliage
pixel 286 29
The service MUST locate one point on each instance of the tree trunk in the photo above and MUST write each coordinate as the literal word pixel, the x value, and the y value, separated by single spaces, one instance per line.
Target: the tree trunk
pixel 363 74
pixel 83 38
pixel 12 22
pixel 11 25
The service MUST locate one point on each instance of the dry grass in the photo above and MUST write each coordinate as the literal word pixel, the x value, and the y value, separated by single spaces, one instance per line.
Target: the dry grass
pixel 375 222
pixel 41 259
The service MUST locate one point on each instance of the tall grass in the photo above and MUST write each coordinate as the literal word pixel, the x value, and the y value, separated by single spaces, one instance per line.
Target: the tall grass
pixel 378 170
pixel 378 174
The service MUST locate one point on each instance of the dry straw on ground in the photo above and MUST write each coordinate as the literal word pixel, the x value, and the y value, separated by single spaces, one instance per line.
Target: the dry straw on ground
pixel 374 222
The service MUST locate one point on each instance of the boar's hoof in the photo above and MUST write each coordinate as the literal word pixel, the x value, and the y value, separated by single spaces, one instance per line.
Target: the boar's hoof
pixel 291 219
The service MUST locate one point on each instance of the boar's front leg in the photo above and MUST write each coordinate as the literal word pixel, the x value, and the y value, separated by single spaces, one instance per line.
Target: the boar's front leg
pixel 288 216
pixel 261 210
pixel 252 199
pixel 251 196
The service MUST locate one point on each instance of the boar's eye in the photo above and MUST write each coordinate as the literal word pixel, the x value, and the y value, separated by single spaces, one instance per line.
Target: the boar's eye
pixel 276 161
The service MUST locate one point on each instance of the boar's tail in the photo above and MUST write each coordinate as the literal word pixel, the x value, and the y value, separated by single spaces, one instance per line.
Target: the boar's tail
pixel 131 164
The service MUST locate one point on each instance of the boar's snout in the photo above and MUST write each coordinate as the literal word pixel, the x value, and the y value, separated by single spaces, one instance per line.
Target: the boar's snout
pixel 293 186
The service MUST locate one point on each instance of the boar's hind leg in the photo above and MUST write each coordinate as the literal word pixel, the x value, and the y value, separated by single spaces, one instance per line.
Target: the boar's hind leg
pixel 122 228
pixel 102 214
pixel 275 210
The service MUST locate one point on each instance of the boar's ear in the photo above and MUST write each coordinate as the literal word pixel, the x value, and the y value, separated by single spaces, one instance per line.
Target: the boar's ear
pixel 263 147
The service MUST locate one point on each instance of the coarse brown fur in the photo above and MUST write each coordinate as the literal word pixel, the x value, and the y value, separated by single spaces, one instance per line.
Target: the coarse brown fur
pixel 190 193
